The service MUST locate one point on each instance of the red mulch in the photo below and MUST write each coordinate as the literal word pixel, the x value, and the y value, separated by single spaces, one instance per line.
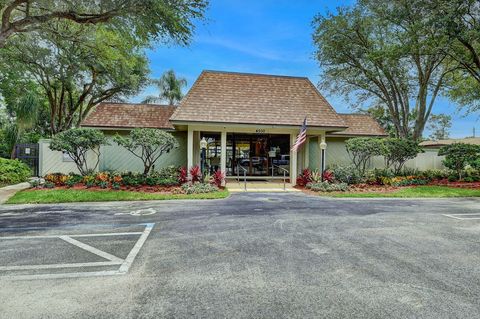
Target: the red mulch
pixel 367 188
pixel 445 182
pixel 143 189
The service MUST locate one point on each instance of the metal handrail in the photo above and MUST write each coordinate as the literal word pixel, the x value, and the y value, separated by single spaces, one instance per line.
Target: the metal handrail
pixel 284 176
pixel 244 176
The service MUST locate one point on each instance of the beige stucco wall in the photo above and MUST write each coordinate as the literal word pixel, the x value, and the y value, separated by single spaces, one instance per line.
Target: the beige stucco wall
pixel 54 161
pixel 336 154
pixel 112 157
pixel 116 158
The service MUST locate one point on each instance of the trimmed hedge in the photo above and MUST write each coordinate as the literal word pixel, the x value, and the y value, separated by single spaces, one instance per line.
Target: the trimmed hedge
pixel 13 172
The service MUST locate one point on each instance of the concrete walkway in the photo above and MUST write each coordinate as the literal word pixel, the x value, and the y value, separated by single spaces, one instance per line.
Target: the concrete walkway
pixel 264 187
pixel 8 191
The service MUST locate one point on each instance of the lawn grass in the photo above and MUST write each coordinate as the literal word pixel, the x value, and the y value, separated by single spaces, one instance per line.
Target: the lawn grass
pixel 419 191
pixel 75 195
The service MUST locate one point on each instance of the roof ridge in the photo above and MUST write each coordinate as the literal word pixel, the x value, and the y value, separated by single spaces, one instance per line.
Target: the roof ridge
pixel 255 74
pixel 360 114
pixel 134 103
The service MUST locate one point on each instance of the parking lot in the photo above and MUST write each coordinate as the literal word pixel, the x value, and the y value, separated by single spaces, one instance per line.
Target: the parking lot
pixel 251 255
pixel 95 250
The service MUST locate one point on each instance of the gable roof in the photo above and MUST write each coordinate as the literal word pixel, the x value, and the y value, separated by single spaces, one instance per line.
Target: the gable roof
pixel 227 97
pixel 361 125
pixel 126 115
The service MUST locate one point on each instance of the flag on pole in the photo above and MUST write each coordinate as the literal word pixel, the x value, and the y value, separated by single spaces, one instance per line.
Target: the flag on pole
pixel 301 137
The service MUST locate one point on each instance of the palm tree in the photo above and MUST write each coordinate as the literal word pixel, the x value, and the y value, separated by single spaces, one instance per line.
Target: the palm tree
pixel 170 87
pixel 26 115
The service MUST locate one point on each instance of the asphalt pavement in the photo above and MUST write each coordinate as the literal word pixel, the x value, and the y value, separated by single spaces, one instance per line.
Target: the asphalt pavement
pixel 248 256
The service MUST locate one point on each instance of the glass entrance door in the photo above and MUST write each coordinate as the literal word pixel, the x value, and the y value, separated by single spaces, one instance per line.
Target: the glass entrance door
pixel 258 154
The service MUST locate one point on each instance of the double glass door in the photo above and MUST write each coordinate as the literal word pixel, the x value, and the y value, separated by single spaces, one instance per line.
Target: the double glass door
pixel 258 154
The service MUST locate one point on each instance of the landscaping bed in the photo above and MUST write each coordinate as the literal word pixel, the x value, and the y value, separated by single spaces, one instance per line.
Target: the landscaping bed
pixel 47 196
pixel 347 182
pixel 167 183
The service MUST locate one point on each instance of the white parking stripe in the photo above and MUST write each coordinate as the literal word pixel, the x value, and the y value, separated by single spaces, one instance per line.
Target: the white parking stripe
pixel 56 266
pixel 113 260
pixel 74 235
pixel 466 216
pixel 133 253
pixel 91 249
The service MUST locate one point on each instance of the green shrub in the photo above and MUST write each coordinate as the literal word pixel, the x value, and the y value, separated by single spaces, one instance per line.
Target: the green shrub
pixel 434 174
pixel 76 142
pixel 133 179
pixel 409 182
pixel 453 178
pixel 459 155
pixel 147 144
pixel 408 171
pixel 167 181
pixel 169 172
pixel 398 151
pixel 48 184
pixel 361 151
pixel 13 172
pixel 327 187
pixel 346 174
pixel 199 188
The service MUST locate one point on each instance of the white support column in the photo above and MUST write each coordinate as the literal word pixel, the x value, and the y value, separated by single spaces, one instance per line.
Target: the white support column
pixel 189 148
pixel 322 148
pixel 196 148
pixel 306 153
pixel 293 161
pixel 223 152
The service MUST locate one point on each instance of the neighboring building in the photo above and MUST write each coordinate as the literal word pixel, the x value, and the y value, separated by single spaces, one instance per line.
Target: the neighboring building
pixel 249 120
pixel 438 144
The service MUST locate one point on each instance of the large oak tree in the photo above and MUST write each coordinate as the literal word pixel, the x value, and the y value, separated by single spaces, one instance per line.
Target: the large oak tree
pixel 77 68
pixel 148 19
pixel 386 54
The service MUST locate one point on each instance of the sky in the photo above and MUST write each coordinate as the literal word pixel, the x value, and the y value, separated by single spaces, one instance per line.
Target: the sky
pixel 267 36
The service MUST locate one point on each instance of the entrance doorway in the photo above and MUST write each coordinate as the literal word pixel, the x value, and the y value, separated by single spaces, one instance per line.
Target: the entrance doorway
pixel 258 154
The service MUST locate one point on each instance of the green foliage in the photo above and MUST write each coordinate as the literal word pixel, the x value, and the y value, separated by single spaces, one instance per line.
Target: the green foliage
pixel 145 20
pixel 386 54
pixel 398 151
pixel 459 155
pixel 434 174
pixel 148 145
pixel 198 188
pixel 13 172
pixel 361 151
pixel 346 174
pixel 327 187
pixel 170 89
pixel 77 143
pixel 439 126
pixel 168 172
pixel 77 67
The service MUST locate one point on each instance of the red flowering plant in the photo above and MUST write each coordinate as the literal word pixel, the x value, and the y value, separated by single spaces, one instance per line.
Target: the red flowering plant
pixel 195 174
pixel 328 176
pixel 182 175
pixel 217 178
pixel 305 177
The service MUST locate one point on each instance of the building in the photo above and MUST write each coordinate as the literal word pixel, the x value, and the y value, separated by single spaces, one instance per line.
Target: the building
pixel 249 121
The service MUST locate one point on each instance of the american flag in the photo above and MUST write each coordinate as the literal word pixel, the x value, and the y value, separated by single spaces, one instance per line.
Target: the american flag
pixel 302 136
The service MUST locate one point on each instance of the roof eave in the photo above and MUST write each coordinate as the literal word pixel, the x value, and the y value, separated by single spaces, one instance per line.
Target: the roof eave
pixel 189 122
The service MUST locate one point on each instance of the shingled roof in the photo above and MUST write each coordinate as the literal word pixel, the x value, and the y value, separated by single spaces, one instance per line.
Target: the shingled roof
pixel 360 125
pixel 227 97
pixel 124 115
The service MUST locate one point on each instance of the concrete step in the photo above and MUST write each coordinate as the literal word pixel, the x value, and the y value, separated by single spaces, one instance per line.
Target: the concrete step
pixel 260 187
